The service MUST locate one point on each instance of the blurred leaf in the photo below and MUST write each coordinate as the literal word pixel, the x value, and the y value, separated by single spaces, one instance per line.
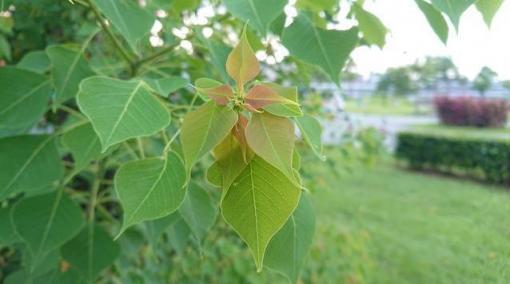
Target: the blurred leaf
pixel 198 211
pixel 256 209
pixel 120 110
pixel 178 235
pixel 278 24
pixel 287 109
pixel 5 48
pixel 242 64
pixel 69 68
pixel 45 222
pixel 372 28
pixel 311 131
pixel 435 19
pixel 91 251
pixel 287 251
pixel 165 86
pixel 203 129
pixel 329 49
pixel 257 13
pixel 317 5
pixel 35 61
pixel 83 143
pixel 181 5
pixel 31 164
pixel 156 228
pixel 272 138
pixel 453 8
pixel 132 21
pixel 150 189
pixel 24 97
pixel 219 53
pixel 8 235
pixel 488 9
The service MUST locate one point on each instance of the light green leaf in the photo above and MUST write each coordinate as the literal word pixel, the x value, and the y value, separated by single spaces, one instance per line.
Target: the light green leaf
pixel 257 13
pixel 132 22
pixel 83 143
pixel 165 86
pixel 198 211
pixel 488 9
pixel 45 222
pixel 29 164
pixel 91 251
pixel 203 129
pixel 287 251
pixel 24 98
pixel 120 110
pixel 214 175
pixel 181 5
pixel 453 8
pixel 219 53
pixel 242 64
pixel 69 68
pixel 258 204
pixel 5 48
pixel 311 131
pixel 272 138
pixel 150 189
pixel 435 19
pixel 230 160
pixel 8 234
pixel 35 61
pixel 156 228
pixel 316 5
pixel 372 28
pixel 286 109
pixel 329 49
pixel 178 234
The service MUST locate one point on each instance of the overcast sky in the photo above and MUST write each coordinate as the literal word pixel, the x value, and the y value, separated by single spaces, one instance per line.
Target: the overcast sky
pixel 473 47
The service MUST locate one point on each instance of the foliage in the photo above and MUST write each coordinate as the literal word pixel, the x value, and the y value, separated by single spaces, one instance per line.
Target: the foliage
pixel 397 81
pixel 484 80
pixel 478 157
pixel 469 111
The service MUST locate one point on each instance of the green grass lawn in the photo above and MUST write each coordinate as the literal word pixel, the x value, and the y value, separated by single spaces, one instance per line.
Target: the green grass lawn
pixel 466 132
pixel 385 225
pixel 381 106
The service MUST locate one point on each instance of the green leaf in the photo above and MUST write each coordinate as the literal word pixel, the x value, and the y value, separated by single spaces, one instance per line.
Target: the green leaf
pixel 198 211
pixel 5 48
pixel 488 9
pixel 132 21
pixel 329 49
pixel 453 8
pixel 156 228
pixel 8 235
pixel 203 129
pixel 317 5
pixel 435 19
pixel 258 204
pixel 260 96
pixel 219 53
pixel 120 110
pixel 69 68
pixel 230 160
pixel 372 28
pixel 285 109
pixel 217 91
pixel 91 251
pixel 31 164
pixel 214 175
pixel 35 61
pixel 272 138
pixel 167 85
pixel 151 188
pixel 287 251
pixel 242 64
pixel 24 98
pixel 45 222
pixel 257 13
pixel 311 131
pixel 83 143
pixel 178 234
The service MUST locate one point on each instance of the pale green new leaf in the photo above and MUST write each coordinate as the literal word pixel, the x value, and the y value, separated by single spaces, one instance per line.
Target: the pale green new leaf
pixel 285 109
pixel 328 49
pixel 151 188
pixel 69 68
pixel 230 161
pixel 311 131
pixel 83 143
pixel 204 128
pixel 287 251
pixel 258 204
pixel 91 251
pixel 435 19
pixel 198 211
pixel 453 8
pixel 372 28
pixel 242 64
pixel 35 61
pixel 488 9
pixel 24 98
pixel 45 222
pixel 257 13
pixel 272 138
pixel 132 21
pixel 29 163
pixel 120 110
pixel 165 86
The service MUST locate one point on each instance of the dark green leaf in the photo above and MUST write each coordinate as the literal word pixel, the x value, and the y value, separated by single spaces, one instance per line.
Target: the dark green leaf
pixel 257 13
pixel 35 61
pixel 83 143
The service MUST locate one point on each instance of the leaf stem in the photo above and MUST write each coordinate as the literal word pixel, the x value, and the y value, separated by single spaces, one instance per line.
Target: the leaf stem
pixel 140 147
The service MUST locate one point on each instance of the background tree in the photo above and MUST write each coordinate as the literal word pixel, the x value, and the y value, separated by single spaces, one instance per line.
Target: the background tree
pixel 484 80
pixel 397 81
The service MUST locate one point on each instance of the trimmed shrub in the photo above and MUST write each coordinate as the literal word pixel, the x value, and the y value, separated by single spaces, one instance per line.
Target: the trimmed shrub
pixel 473 156
pixel 469 111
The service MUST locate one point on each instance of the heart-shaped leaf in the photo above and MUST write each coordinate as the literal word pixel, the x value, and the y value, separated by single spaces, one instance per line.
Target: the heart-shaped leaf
pixel 435 19
pixel 216 91
pixel 257 13
pixel 242 64
pixel 261 96
pixel 453 8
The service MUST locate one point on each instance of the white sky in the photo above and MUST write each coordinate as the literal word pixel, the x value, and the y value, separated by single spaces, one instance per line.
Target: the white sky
pixel 473 47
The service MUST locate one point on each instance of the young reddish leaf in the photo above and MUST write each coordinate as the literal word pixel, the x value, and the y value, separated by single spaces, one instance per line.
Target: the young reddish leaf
pixel 215 90
pixel 242 65
pixel 262 95
pixel 289 108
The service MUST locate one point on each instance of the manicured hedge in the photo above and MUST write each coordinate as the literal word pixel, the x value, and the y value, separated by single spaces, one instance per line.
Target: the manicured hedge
pixel 472 156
